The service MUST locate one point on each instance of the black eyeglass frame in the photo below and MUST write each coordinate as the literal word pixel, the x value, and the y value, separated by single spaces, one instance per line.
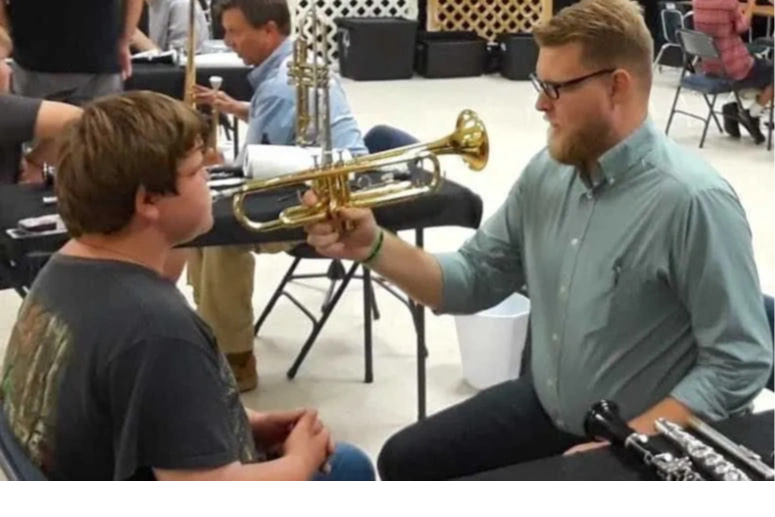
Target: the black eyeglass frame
pixel 552 89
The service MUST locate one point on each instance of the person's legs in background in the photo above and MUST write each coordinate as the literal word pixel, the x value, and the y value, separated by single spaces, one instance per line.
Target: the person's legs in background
pixel 500 426
pixel 348 463
pixel 65 87
pixel 760 78
pixel 222 278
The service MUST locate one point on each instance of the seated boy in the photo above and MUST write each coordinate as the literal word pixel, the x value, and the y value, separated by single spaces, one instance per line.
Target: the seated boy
pixel 108 373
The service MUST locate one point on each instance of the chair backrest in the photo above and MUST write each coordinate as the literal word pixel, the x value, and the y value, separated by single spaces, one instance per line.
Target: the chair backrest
pixel 697 44
pixel 672 21
pixel 13 461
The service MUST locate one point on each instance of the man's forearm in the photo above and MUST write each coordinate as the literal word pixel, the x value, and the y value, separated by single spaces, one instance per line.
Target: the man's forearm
pixel 142 42
pixel 133 11
pixel 413 270
pixel 668 408
pixel 241 110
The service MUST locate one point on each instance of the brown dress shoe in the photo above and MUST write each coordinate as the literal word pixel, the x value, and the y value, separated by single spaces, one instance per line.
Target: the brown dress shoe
pixel 243 366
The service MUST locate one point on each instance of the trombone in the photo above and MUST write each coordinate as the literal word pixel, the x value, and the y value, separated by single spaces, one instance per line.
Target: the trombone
pixel 329 178
pixel 212 154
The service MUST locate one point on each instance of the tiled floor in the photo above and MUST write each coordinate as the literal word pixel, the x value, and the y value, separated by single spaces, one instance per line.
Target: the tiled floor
pixel 331 377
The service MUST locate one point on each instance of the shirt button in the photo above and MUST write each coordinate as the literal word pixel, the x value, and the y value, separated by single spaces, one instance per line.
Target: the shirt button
pixel 563 290
pixel 560 423
pixel 550 382
pixel 574 242
pixel 555 338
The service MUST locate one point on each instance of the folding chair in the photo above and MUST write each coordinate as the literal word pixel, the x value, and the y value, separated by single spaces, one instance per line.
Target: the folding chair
pixel 671 20
pixel 14 462
pixel 378 139
pixel 697 46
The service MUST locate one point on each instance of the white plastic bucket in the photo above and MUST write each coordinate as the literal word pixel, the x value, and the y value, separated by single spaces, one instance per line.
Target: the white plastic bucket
pixel 491 342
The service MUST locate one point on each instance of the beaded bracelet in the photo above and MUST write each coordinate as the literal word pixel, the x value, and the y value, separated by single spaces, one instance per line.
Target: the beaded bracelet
pixel 376 248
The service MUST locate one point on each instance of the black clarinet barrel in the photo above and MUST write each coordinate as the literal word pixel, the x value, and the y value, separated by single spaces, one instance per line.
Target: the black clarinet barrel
pixel 604 423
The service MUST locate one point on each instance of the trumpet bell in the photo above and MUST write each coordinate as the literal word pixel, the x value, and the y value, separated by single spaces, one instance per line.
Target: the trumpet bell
pixel 470 140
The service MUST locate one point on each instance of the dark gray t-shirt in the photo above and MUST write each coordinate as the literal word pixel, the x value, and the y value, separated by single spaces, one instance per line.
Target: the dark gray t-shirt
pixel 17 125
pixel 109 373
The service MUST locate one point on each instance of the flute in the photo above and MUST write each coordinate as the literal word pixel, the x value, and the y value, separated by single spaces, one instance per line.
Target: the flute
pixel 743 454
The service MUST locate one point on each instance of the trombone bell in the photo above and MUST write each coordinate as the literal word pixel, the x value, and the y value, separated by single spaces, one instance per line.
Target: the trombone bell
pixel 331 184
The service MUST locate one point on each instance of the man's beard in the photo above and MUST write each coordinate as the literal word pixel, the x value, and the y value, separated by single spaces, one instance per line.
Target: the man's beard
pixel 586 144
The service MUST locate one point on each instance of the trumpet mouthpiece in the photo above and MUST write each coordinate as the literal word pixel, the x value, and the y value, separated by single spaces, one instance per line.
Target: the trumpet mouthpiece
pixel 216 82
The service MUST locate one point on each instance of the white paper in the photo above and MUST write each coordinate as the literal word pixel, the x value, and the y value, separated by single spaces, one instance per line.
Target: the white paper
pixel 269 161
pixel 218 59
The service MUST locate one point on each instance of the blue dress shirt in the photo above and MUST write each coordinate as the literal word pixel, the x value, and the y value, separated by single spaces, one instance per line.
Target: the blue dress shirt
pixel 272 118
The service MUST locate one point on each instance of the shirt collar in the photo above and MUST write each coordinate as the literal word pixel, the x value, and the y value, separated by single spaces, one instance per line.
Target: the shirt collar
pixel 618 161
pixel 270 64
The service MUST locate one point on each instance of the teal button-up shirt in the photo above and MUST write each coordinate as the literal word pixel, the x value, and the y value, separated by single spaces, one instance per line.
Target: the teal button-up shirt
pixel 642 285
pixel 272 116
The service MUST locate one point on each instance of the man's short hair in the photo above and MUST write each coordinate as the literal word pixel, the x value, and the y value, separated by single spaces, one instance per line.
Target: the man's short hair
pixel 613 34
pixel 259 12
pixel 121 142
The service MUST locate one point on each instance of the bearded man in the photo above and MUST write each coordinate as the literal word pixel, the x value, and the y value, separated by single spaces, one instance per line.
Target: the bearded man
pixel 635 253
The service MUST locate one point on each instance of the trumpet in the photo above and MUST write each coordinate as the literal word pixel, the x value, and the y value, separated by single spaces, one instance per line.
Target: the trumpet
pixel 330 177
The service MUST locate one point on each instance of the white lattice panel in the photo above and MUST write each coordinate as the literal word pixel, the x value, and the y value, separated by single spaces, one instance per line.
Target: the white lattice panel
pixel 330 10
pixel 488 18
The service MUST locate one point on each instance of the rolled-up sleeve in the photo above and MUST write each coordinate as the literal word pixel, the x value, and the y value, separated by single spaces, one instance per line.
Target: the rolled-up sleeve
pixel 718 283
pixel 488 267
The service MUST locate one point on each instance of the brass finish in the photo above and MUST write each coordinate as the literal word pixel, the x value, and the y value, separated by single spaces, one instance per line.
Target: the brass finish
pixel 469 140
pixel 211 152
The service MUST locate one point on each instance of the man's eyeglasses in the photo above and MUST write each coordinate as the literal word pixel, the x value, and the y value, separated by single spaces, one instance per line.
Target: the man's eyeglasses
pixel 552 90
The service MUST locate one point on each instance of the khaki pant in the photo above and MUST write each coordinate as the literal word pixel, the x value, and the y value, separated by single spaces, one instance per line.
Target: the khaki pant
pixel 222 279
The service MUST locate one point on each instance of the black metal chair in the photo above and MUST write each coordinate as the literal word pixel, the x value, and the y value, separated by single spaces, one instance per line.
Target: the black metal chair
pixel 697 45
pixel 14 463
pixel 672 19
pixel 378 139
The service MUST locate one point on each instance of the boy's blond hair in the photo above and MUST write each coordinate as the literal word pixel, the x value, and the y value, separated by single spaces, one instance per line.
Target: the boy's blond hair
pixel 613 34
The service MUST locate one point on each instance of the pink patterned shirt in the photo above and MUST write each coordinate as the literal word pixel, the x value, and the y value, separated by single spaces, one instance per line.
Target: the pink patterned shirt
pixel 724 21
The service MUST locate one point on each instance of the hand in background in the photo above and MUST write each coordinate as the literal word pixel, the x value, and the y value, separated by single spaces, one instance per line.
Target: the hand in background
pixel 209 97
pixel 31 173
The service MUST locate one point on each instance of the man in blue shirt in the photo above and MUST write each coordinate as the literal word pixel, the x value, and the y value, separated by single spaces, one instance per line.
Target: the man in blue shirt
pixel 636 256
pixel 222 277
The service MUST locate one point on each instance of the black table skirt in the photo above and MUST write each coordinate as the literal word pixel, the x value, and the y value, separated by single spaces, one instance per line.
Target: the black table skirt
pixel 607 464
pixel 169 79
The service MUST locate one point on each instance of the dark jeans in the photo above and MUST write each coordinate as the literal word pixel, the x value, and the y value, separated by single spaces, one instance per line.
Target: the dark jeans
pixel 500 426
